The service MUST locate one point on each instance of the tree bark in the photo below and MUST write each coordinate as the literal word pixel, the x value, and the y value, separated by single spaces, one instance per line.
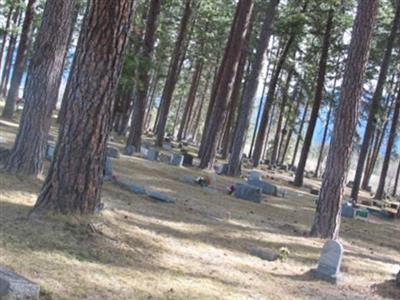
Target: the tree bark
pixel 300 134
pixel 74 181
pixel 291 124
pixel 278 132
pixel 20 61
pixel 375 104
pixel 380 133
pixel 319 91
pixel 10 53
pixel 224 89
pixel 6 29
pixel 44 76
pixel 246 105
pixel 260 140
pixel 327 216
pixel 173 73
pixel 389 149
pixel 396 182
pixel 187 113
pixel 139 111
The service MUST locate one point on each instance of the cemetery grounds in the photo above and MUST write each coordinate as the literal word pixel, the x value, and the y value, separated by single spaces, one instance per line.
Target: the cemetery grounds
pixel 196 248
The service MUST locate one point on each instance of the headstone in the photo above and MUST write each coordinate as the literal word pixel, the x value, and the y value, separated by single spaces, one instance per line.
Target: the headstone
pixel 264 254
pixel 2 140
pixel 255 175
pixel 129 150
pixel 50 152
pixel 161 197
pixel 248 192
pixel 222 169
pixel 267 188
pixel 177 160
pixel 188 159
pixel 112 152
pixel 14 286
pixel 348 210
pixel 361 214
pixel 330 261
pixel 165 158
pixel 398 279
pixel 108 169
pixel 167 146
pixel 144 151
pixel 152 154
pixel 131 187
pixel 314 192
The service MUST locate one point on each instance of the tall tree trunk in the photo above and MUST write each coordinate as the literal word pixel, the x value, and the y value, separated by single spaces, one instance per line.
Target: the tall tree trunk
pixel 74 181
pixel 291 124
pixel 389 149
pixel 319 91
pixel 6 29
pixel 187 113
pixel 396 182
pixel 135 135
pixel 20 61
pixel 379 138
pixel 224 89
pixel 196 123
pixel 250 90
pixel 327 123
pixel 278 132
pixel 173 72
pixel 260 140
pixel 234 103
pixel 375 104
pixel 10 53
pixel 327 216
pixel 300 134
pixel 44 77
pixel 150 100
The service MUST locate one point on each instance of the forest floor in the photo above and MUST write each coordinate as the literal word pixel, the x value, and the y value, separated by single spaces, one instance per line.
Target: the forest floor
pixel 197 248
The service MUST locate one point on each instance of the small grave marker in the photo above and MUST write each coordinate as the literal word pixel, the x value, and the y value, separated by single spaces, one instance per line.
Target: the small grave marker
pixel 152 154
pixel 177 160
pixel 14 286
pixel 50 152
pixel 112 152
pixel 330 261
pixel 248 192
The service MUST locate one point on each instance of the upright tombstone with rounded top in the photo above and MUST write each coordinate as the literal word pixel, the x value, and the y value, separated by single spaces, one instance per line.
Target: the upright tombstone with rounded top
pixel 330 262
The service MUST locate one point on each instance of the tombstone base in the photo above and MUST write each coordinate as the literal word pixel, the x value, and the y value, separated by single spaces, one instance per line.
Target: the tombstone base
pixel 334 279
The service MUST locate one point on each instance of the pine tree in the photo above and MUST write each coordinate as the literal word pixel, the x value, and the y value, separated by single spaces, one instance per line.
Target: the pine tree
pixel 75 177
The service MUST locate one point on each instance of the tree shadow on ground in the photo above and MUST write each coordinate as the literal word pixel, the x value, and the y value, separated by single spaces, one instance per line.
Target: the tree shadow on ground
pixel 387 289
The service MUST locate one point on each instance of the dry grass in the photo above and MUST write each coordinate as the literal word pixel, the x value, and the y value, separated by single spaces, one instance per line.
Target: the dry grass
pixel 197 248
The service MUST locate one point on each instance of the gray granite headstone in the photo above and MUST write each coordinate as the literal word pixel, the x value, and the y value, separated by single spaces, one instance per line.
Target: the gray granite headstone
pixel 167 146
pixel 152 154
pixel 129 150
pixel 131 186
pixel 144 150
pixel 161 197
pixel 112 152
pixel 267 188
pixel 255 175
pixel 50 149
pixel 248 192
pixel 330 261
pixel 108 169
pixel 177 160
pixel 188 159
pixel 348 210
pixel 14 286
pixel 165 158
pixel 264 254
pixel 222 169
